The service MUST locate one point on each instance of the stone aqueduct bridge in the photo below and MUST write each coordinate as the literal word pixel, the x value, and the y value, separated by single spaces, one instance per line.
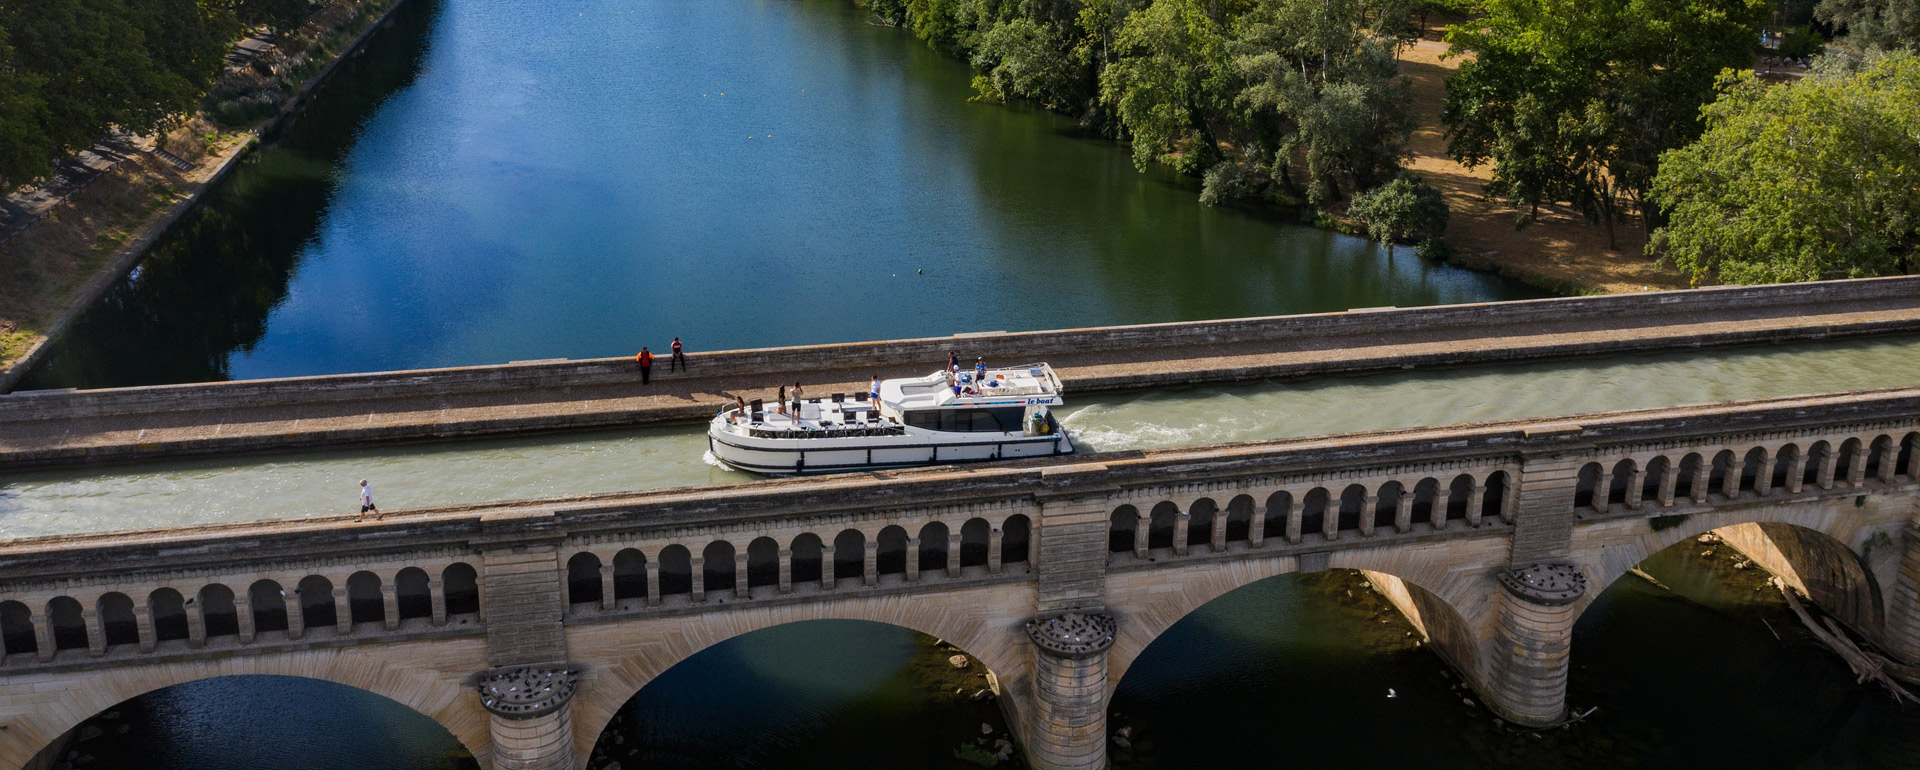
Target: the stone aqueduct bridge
pixel 1490 538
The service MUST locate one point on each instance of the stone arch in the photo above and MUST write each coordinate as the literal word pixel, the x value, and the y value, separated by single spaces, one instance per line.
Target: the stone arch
pixel 890 550
pixel 1161 523
pixel 437 695
pixel 1723 475
pixel 69 625
pixel 1783 466
pixel 1122 527
pixel 1239 522
pixel 460 589
pixel 169 610
pixel 1313 516
pixel 364 602
pixel 1459 496
pixel 717 568
pixel 117 622
pixel 1880 458
pixel 629 576
pixel 268 604
pixel 1819 454
pixel 1499 486
pixel 218 614
pixel 807 551
pixel 1658 469
pixel 1692 475
pixel 1586 490
pixel 975 537
pixel 1278 505
pixel 413 593
pixel 1353 506
pixel 1386 507
pixel 1200 521
pixel 1797 542
pixel 1016 538
pixel 316 603
pixel 1148 602
pixel 16 630
pixel 763 562
pixel 1908 460
pixel 583 579
pixel 676 571
pixel 1425 493
pixel 1849 454
pixel 1750 465
pixel 849 554
pixel 988 627
pixel 933 547
pixel 1619 485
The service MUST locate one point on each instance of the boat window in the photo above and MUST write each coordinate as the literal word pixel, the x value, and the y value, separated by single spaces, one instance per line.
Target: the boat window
pixel 925 419
pixel 1009 418
pixel 967 420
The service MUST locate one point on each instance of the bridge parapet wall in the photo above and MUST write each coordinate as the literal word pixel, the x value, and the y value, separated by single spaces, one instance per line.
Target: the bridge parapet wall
pixel 778 364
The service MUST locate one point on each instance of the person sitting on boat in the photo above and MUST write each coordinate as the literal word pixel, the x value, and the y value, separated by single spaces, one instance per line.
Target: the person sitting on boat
pixel 979 371
pixel 740 410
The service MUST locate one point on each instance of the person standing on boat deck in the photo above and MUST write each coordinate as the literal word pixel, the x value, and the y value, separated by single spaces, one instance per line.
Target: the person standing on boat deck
pixel 366 502
pixel 679 358
pixel 646 364
pixel 783 399
pixel 873 393
pixel 953 362
pixel 799 397
pixel 740 408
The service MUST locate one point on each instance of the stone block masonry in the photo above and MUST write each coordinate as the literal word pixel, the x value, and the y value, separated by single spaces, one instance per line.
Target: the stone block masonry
pixel 41 429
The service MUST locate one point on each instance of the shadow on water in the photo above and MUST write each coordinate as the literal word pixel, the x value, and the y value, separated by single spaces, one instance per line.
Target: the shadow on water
pixel 262 723
pixel 207 287
pixel 826 694
pixel 1685 679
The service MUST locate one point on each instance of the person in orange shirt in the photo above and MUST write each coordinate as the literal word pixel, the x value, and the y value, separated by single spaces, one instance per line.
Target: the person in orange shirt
pixel 646 365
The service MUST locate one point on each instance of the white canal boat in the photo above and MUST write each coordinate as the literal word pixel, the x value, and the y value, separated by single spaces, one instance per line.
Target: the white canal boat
pixel 918 421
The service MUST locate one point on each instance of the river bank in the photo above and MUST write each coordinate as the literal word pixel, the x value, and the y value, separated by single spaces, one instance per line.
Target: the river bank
pixel 69 258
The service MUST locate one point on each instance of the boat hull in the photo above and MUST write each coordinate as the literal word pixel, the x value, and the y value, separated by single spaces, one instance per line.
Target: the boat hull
pixel 792 457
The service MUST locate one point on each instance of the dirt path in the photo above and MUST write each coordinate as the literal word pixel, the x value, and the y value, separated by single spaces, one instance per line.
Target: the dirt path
pixel 1560 251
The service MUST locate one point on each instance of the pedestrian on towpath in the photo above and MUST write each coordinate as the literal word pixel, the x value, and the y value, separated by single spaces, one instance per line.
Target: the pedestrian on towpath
pixel 366 502
pixel 679 359
pixel 646 364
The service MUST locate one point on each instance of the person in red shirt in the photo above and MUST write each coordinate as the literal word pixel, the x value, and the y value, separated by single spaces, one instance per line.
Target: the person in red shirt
pixel 646 365
pixel 679 359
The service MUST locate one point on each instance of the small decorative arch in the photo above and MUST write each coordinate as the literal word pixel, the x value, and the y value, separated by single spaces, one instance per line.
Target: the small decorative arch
pixel 1122 528
pixel 1658 469
pixel 169 610
pixel 268 603
pixel 1499 487
pixel 1850 455
pixel 629 575
pixel 1161 522
pixel 1693 476
pixel 413 593
pixel 1240 518
pixel 806 558
pixel 583 579
pixel 1620 484
pixel 1200 521
pixel 117 622
pixel 316 603
pixel 69 625
pixel 1425 493
pixel 1880 458
pixel 1278 506
pixel 890 550
pixel 717 568
pixel 1353 506
pixel 461 584
pixel 1386 507
pixel 364 602
pixel 1016 535
pixel 1783 466
pixel 763 562
pixel 1819 463
pixel 975 537
pixel 1723 476
pixel 16 630
pixel 1314 517
pixel 1907 463
pixel 676 571
pixel 1586 490
pixel 1750 478
pixel 849 554
pixel 933 547
pixel 217 611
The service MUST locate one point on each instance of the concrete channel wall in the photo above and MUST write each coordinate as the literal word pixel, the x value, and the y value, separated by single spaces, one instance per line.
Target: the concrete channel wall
pixel 1468 321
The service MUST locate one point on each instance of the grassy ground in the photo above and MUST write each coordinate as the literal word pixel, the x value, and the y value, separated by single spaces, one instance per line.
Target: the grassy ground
pixel 1560 251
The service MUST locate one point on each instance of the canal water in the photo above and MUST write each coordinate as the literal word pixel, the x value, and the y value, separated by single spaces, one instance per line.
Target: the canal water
pixel 739 173
pixel 327 483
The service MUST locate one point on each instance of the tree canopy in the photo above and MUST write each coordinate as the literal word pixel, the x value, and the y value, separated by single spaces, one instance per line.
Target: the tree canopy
pixel 1573 101
pixel 1814 179
pixel 1405 208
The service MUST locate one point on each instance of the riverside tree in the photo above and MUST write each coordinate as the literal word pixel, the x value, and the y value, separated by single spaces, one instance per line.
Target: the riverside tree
pixel 1575 101
pixel 1814 179
pixel 1406 208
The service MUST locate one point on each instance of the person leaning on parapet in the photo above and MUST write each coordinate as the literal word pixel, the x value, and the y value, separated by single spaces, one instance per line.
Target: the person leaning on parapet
pixel 679 358
pixel 646 364
pixel 366 502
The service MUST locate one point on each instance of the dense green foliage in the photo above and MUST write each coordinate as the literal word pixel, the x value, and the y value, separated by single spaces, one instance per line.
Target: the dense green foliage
pixel 1406 208
pixel 72 69
pixel 1819 178
pixel 1302 96
pixel 1574 101
pixel 1874 25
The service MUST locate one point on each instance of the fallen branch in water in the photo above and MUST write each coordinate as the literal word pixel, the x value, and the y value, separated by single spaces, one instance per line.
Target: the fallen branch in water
pixel 1866 665
pixel 1642 574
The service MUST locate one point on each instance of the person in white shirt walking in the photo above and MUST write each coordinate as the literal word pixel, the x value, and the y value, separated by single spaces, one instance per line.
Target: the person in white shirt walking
pixel 366 502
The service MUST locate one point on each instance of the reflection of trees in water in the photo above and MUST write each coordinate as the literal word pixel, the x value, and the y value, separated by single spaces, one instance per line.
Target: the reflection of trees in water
pixel 204 291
